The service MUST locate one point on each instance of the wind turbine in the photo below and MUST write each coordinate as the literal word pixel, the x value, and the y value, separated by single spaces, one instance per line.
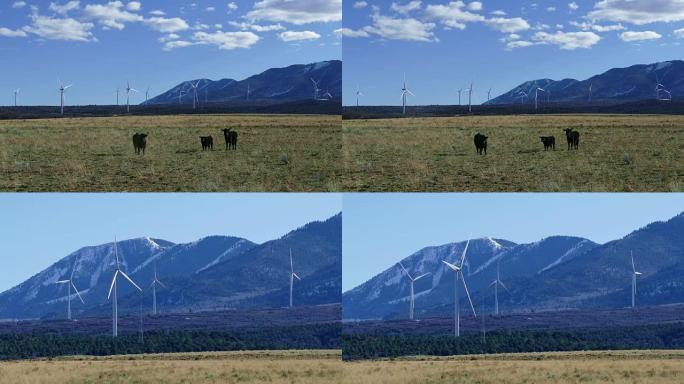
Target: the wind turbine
pixel 128 96
pixel 316 89
pixel 358 93
pixel 293 275
pixel 155 281
pixel 62 89
pixel 70 284
pixel 536 96
pixel 16 92
pixel 489 94
pixel 117 96
pixel 459 95
pixel 249 90
pixel 147 94
pixel 591 85
pixel 496 284
pixel 522 95
pixel 195 100
pixel 458 270
pixel 180 94
pixel 413 281
pixel 112 292
pixel 634 278
pixel 470 97
pixel 327 95
pixel 404 92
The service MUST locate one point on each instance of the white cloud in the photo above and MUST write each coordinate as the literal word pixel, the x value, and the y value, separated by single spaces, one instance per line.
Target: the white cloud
pixel 679 33
pixel 6 32
pixel 226 40
pixel 59 28
pixel 257 27
pixel 134 6
pixel 111 15
pixel 169 37
pixel 518 44
pixel 406 8
pixel 158 12
pixel 19 4
pixel 64 9
pixel 498 12
pixel 638 12
pixel 210 9
pixel 475 6
pixel 218 26
pixel 586 26
pixel 639 36
pixel 297 12
pixel 298 35
pixel 573 6
pixel 401 29
pixel 508 25
pixel 232 6
pixel 360 4
pixel 567 40
pixel 200 26
pixel 167 25
pixel 176 44
pixel 452 15
pixel 550 9
pixel 346 32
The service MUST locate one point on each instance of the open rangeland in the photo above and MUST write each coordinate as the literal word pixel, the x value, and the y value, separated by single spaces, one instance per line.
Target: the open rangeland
pixel 616 153
pixel 304 366
pixel 617 367
pixel 274 153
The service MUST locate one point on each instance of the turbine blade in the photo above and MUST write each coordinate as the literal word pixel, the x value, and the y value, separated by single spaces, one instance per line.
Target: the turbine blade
pixel 130 281
pixel 468 294
pixel 463 256
pixel 61 281
pixel 405 271
pixel 492 284
pixel 410 93
pixel 504 287
pixel 421 276
pixel 77 292
pixel 295 275
pixel 160 283
pixel 112 286
pixel 455 268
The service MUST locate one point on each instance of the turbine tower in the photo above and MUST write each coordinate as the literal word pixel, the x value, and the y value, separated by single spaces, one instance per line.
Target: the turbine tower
pixel 128 96
pixel 112 292
pixel 404 92
pixel 413 280
pixel 358 93
pixel 522 95
pixel 155 281
pixel 489 94
pixel 16 92
pixel 147 94
pixel 316 89
pixel 70 284
pixel 470 98
pixel 62 89
pixel 591 85
pixel 117 96
pixel 536 96
pixel 496 284
pixel 195 100
pixel 458 270
pixel 293 275
pixel 634 279
pixel 459 95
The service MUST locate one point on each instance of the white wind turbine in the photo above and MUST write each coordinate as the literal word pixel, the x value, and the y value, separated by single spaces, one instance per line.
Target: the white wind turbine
pixel 634 279
pixel 536 96
pixel 470 97
pixel 489 94
pixel 293 275
pixel 316 89
pixel 180 94
pixel 327 95
pixel 70 284
pixel 591 85
pixel 404 93
pixel 523 96
pixel 460 90
pixel 195 100
pixel 128 96
pixel 62 89
pixel 458 270
pixel 16 92
pixel 249 90
pixel 117 96
pixel 112 292
pixel 358 93
pixel 155 281
pixel 496 284
pixel 147 94
pixel 413 280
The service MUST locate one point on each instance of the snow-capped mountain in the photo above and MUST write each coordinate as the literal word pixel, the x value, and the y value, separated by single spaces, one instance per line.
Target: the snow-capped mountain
pixel 215 271
pixel 617 85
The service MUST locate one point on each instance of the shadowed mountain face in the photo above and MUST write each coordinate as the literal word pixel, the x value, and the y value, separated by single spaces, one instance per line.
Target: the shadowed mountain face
pixel 210 273
pixel 617 85
pixel 555 273
pixel 276 85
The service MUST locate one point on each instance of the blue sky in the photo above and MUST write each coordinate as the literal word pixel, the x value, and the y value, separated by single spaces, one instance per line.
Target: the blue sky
pixel 38 229
pixel 381 229
pixel 98 45
pixel 443 45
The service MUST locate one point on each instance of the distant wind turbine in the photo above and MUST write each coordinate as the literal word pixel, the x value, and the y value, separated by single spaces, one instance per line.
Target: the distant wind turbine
pixel 634 280
pixel 591 85
pixel 496 284
pixel 16 92
pixel 117 96
pixel 458 270
pixel 460 90
pixel 413 280
pixel 128 96
pixel 112 292
pixel 523 96
pixel 316 89
pixel 489 94
pixel 70 284
pixel 404 93
pixel 180 94
pixel 293 276
pixel 195 100
pixel 470 97
pixel 249 90
pixel 147 94
pixel 358 93
pixel 62 89
pixel 155 281
pixel 536 96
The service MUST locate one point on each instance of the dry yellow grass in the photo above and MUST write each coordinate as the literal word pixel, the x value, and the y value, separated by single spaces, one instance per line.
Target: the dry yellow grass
pixel 617 153
pixel 275 367
pixel 275 153
pixel 616 367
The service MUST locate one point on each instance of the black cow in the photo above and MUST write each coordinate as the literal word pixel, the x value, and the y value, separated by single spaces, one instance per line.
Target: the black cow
pixel 139 143
pixel 573 138
pixel 481 143
pixel 549 142
pixel 207 142
pixel 231 138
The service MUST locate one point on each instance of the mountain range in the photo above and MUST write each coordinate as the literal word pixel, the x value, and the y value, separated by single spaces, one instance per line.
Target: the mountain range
pixel 275 85
pixel 558 272
pixel 215 272
pixel 617 85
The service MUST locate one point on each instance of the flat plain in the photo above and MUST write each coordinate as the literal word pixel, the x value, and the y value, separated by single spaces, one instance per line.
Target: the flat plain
pixel 303 366
pixel 616 153
pixel 274 153
pixel 618 367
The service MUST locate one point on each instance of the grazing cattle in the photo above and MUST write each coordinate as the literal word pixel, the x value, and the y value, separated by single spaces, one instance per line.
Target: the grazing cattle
pixel 231 138
pixel 207 142
pixel 549 142
pixel 139 143
pixel 481 143
pixel 573 138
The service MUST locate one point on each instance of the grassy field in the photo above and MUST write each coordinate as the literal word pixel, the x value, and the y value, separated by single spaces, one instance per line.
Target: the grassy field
pixel 275 153
pixel 617 153
pixel 225 367
pixel 655 367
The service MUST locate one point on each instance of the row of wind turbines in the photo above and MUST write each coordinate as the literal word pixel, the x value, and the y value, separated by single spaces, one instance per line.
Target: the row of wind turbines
pixel 457 269
pixel 119 273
